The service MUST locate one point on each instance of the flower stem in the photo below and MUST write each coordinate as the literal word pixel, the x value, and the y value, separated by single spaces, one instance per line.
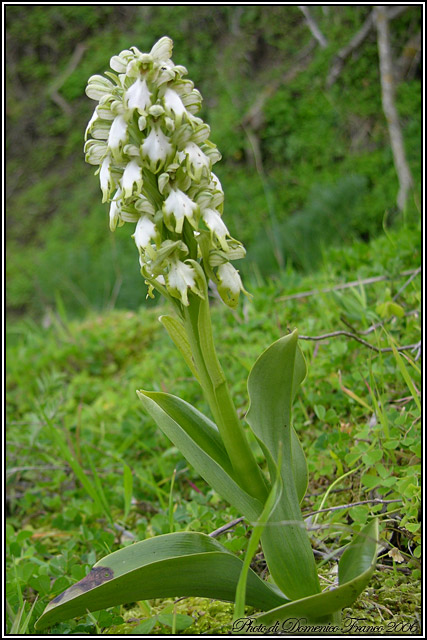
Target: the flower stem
pixel 214 384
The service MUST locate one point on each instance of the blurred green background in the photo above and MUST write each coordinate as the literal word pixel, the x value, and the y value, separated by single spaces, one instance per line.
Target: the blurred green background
pixel 305 165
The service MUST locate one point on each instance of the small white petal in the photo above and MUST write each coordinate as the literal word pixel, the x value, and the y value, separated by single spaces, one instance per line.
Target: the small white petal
pixel 229 284
pixel 197 161
pixel 157 148
pixel 95 151
pixel 145 232
pixel 118 132
pixel 115 210
pixel 173 104
pixel 131 175
pixel 179 205
pixel 230 278
pixel 215 224
pixel 90 123
pixel 180 277
pixel 162 50
pixel 120 62
pixel 105 178
pixel 98 87
pixel 143 205
pixel 138 96
pixel 216 184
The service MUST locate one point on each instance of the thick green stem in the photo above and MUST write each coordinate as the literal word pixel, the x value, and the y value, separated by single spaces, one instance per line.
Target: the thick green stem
pixel 213 382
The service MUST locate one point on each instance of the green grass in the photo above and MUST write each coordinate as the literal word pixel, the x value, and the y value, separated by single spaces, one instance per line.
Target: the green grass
pixel 88 471
pixel 325 170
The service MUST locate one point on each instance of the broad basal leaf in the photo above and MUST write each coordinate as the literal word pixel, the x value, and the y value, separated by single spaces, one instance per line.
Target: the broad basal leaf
pixel 199 441
pixel 272 384
pixel 355 570
pixel 171 565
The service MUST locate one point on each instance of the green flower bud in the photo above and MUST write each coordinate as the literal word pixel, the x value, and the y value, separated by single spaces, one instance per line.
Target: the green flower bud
pixel 229 284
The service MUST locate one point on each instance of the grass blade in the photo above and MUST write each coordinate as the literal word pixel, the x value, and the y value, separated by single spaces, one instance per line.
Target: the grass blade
pixel 127 486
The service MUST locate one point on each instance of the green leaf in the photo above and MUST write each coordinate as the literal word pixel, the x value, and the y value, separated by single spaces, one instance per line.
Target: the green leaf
pixel 405 373
pixel 273 497
pixel 19 626
pixel 179 337
pixel 272 385
pixel 171 565
pixel 199 441
pixel 60 440
pixel 144 627
pixel 179 620
pixel 389 309
pixel 360 555
pixel 127 486
pixel 355 570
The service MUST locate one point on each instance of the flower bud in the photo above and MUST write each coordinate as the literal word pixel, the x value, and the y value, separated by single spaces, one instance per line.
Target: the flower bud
pixel 213 221
pixel 98 87
pixel 229 284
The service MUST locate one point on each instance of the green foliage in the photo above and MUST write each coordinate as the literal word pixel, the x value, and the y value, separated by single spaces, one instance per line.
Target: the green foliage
pixel 326 173
pixel 84 375
pixel 318 146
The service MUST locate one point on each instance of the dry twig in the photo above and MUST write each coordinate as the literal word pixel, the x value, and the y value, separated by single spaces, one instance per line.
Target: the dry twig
pixel 403 171
pixel 357 40
pixel 351 504
pixel 346 285
pixel 313 26
pixel 225 527
pixel 57 84
pixel 334 334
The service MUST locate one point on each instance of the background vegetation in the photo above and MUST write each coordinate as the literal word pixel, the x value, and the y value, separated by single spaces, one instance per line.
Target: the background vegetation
pixel 310 189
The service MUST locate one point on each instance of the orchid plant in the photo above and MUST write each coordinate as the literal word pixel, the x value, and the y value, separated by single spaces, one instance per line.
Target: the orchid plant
pixel 155 160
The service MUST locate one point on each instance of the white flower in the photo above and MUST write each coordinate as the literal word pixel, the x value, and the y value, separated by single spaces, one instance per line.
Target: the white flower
pixel 98 87
pixel 143 205
pixel 215 224
pixel 179 205
pixel 115 210
pixel 157 148
pixel 118 133
pixel 95 151
pixel 144 232
pixel 215 183
pixel 162 50
pixel 181 277
pixel 174 106
pixel 90 123
pixel 138 96
pixel 132 175
pixel 229 285
pixel 120 62
pixel 197 162
pixel 192 101
pixel 105 178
